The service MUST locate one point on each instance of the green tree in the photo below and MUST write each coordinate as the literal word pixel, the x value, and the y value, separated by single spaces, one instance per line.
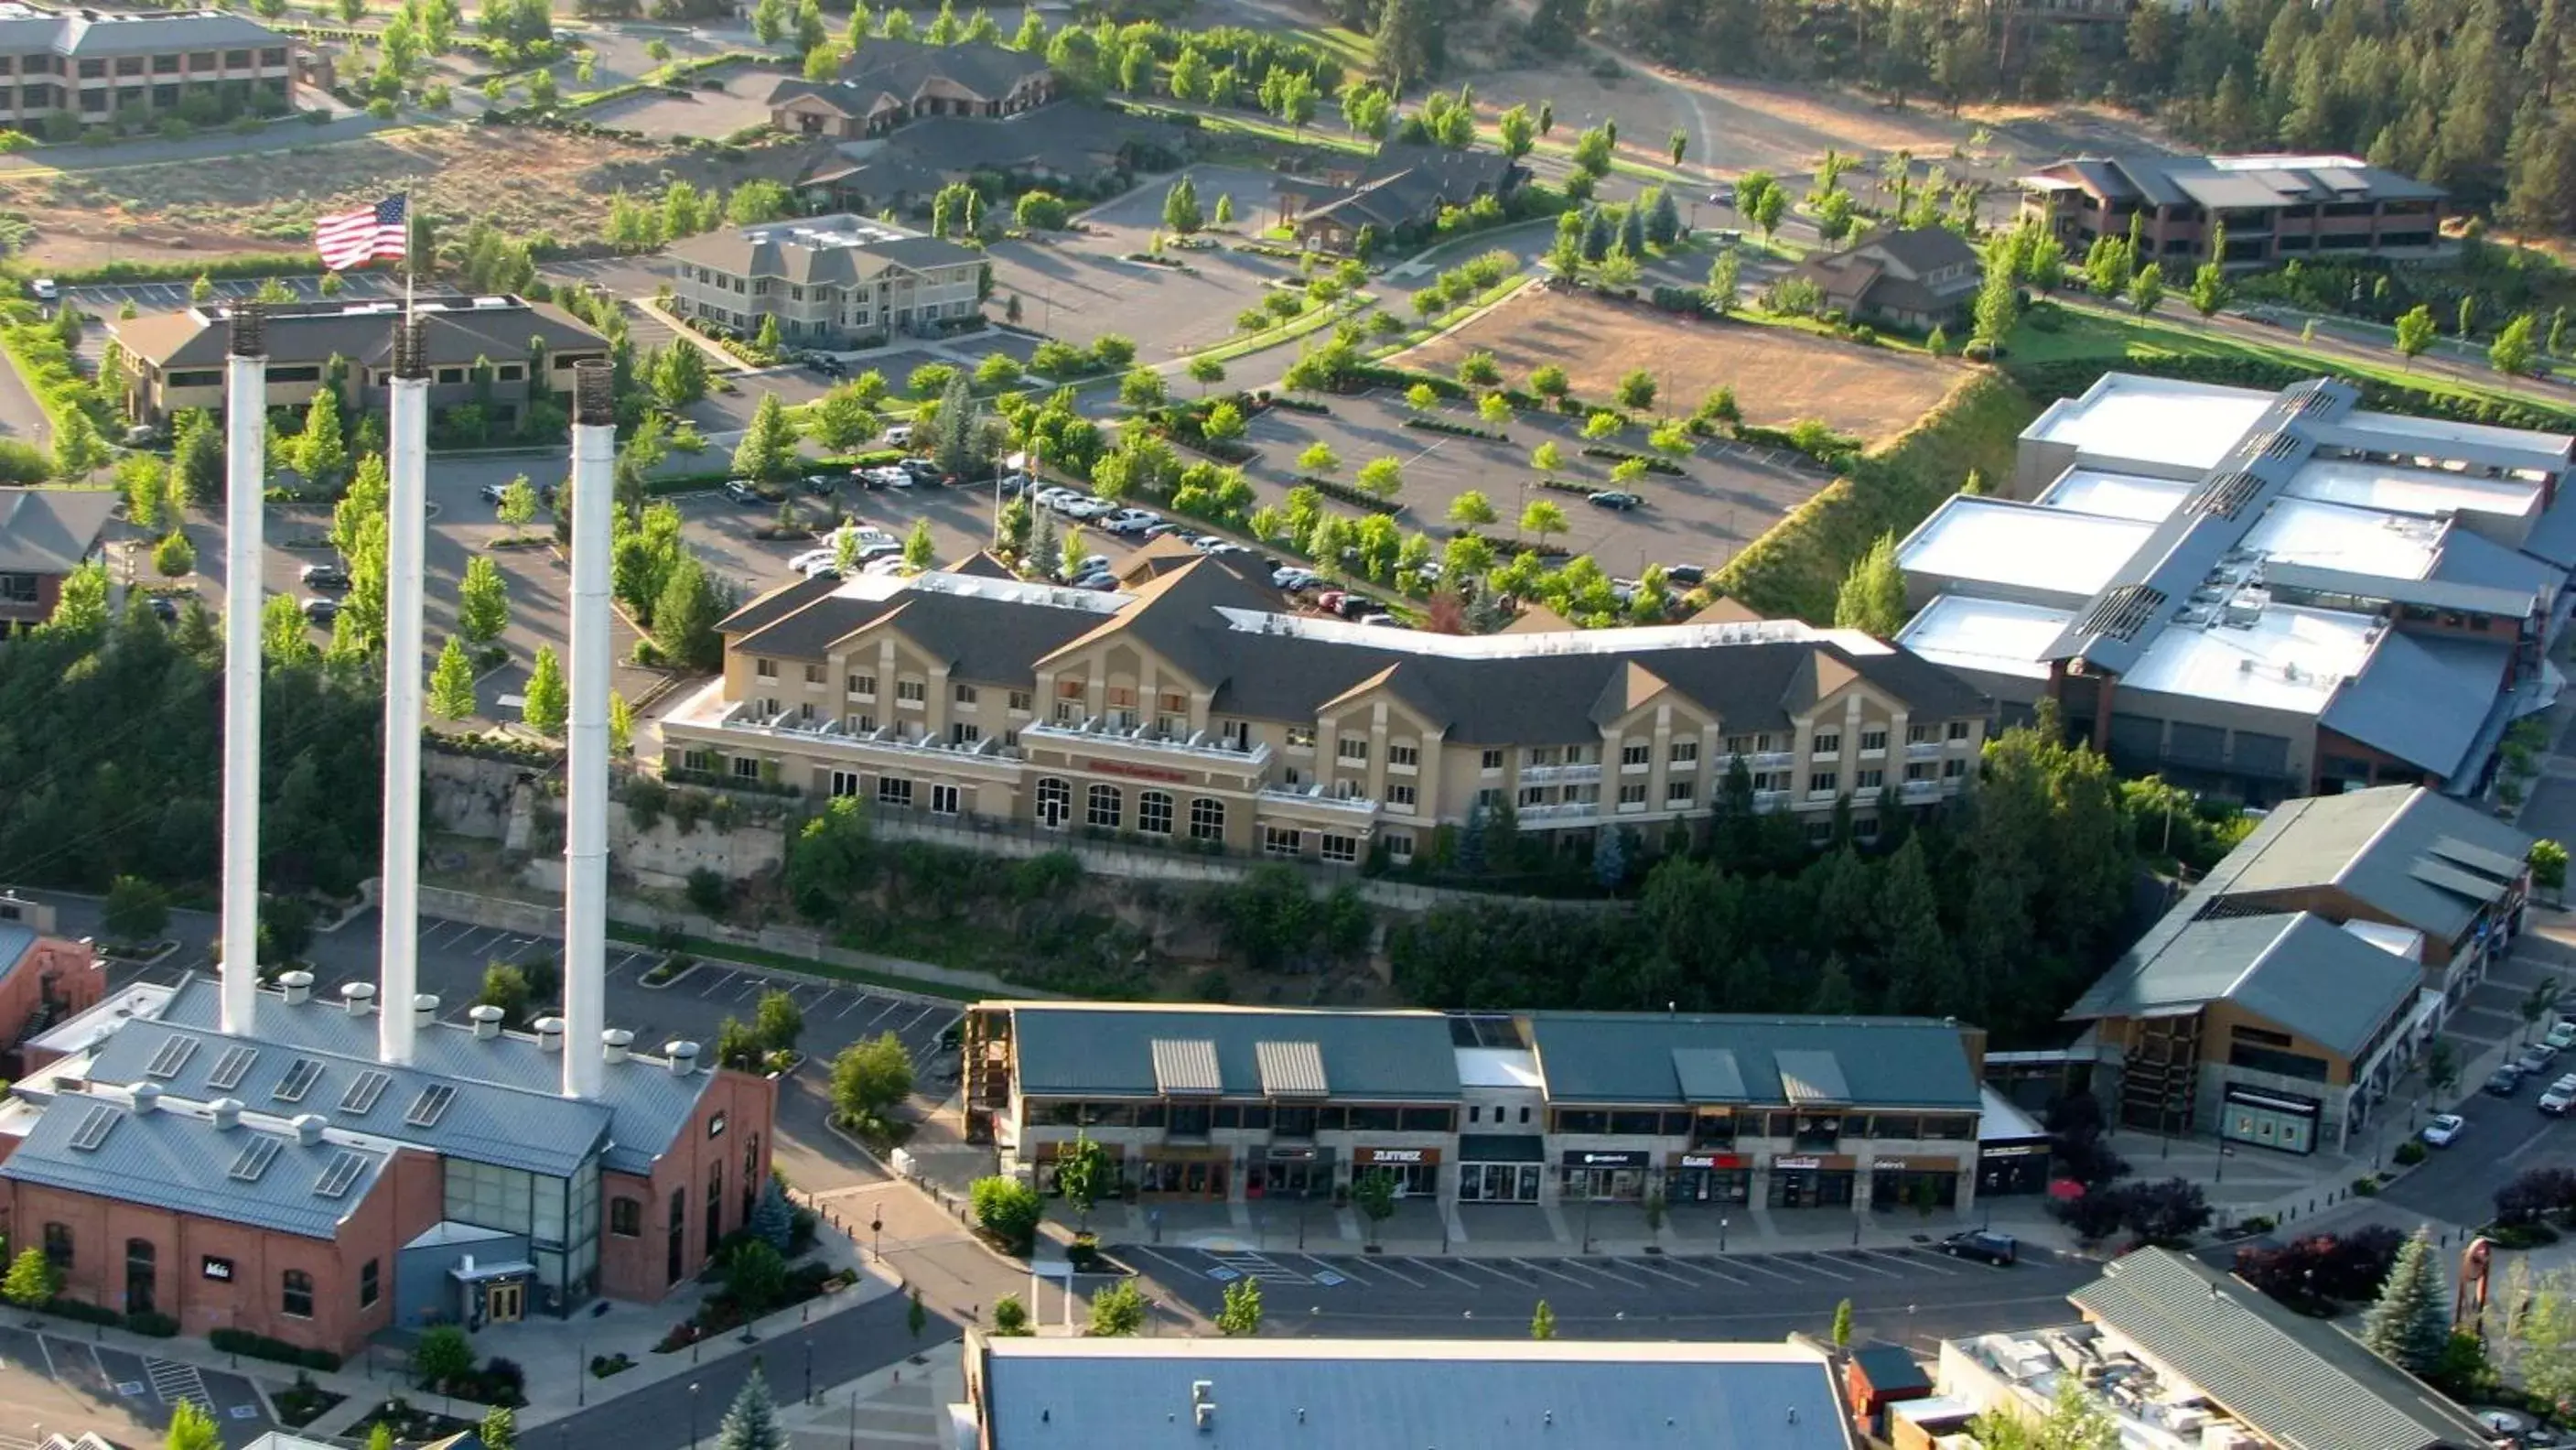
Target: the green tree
pixel 1010 1316
pixel 1381 476
pixel 2410 1324
pixel 1118 1311
pixel 870 1079
pixel 78 450
pixel 1543 1322
pixel 1319 459
pixel 1842 1325
pixel 621 725
pixel 482 602
pixel 2513 350
pixel 1676 144
pixel 1082 1174
pixel 135 911
pixel 285 640
pixel 920 550
pixel 1373 1194
pixel 768 448
pixel 1517 131
pixel 1542 517
pixel 1636 390
pixel 1007 1209
pixel 779 1021
pixel 2209 289
pixel 2415 332
pixel 2468 316
pixel 174 557
pixel 752 1421
pixel 441 1354
pixel 2548 865
pixel 500 1429
pixel 685 614
pixel 451 684
pixel 1141 388
pixel 1181 207
pixel 518 505
pixel 2147 288
pixel 192 1428
pixel 1872 597
pixel 30 1282
pixel 842 419
pixel 1998 304
pixel 1471 509
pixel 1240 1318
pixel 546 697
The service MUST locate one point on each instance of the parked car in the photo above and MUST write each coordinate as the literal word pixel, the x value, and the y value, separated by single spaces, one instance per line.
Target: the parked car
pixel 1384 620
pixel 2444 1128
pixel 1088 564
pixel 821 569
pixel 1131 521
pixel 44 290
pixel 819 484
pixel 2268 316
pixel 2562 1036
pixel 921 469
pixel 811 557
pixel 2536 1057
pixel 492 493
pixel 2504 1082
pixel 1686 575
pixel 1101 583
pixel 1983 1245
pixel 826 364
pixel 325 576
pixel 899 435
pixel 163 607
pixel 741 491
pixel 886 476
pixel 1611 498
pixel 321 611
pixel 2560 1097
pixel 1083 506
pixel 1294 578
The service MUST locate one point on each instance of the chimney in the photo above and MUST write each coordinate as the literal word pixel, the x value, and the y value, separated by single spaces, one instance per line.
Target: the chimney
pixel 359 998
pixel 683 1057
pixel 147 1096
pixel 226 1113
pixel 615 1045
pixel 550 1034
pixel 407 473
pixel 245 490
pixel 298 987
pixel 308 1128
pixel 487 1021
pixel 594 487
pixel 424 1010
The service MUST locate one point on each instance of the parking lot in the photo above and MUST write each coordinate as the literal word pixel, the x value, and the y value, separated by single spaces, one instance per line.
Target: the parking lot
pixel 1909 1294
pixel 1728 494
pixel 108 298
pixel 56 1382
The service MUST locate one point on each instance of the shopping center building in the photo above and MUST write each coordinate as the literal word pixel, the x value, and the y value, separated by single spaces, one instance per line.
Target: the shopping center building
pixel 1236 1104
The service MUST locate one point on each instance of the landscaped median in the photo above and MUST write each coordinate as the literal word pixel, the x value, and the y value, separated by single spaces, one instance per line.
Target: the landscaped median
pixel 712 950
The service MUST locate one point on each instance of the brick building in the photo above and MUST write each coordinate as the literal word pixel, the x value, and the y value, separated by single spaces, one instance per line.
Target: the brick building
pixel 99 65
pixel 45 533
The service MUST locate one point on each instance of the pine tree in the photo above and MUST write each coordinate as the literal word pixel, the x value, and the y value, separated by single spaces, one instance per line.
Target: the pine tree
pixel 773 1220
pixel 768 447
pixel 752 1423
pixel 2409 1325
pixel 1872 597
pixel 1543 1322
pixel 451 684
pixel 546 700
pixel 1843 1324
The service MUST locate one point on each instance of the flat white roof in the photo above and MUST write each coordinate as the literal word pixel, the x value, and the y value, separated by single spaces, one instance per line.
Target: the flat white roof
pixel 2152 420
pixel 2116 495
pixel 2452 430
pixel 2053 550
pixel 80 1033
pixel 1993 635
pixel 2290 659
pixel 2403 490
pixel 1499 1067
pixel 2331 536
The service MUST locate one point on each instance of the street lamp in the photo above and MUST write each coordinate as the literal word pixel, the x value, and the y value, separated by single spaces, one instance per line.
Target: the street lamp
pixel 876 1226
pixel 1721 1233
pixel 693 1415
pixel 581 1372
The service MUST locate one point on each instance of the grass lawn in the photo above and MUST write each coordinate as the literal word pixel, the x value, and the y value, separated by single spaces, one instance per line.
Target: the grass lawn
pixel 2090 336
pixel 708 949
pixel 1348 46
pixel 1313 319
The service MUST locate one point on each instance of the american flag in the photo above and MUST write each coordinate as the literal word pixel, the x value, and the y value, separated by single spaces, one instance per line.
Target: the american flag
pixel 354 238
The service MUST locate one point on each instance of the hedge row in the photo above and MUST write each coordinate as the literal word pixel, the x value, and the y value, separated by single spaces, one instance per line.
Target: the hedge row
pixel 1567 485
pixel 1302 405
pixel 1622 455
pixel 1442 425
pixel 260 1346
pixel 1351 494
pixel 248 266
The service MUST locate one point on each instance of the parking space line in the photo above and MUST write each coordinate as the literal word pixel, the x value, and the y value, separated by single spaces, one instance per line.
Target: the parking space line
pixel 1643 1267
pixel 917 1021
pixel 1929 1263
pixel 622 963
pixel 1816 1268
pixel 1589 1266
pixel 1551 1273
pixel 1195 1271
pixel 755 984
pixel 1704 1267
pixel 1751 1267
pixel 820 992
pixel 1488 1266
pixel 881 1016
pixel 856 1003
pixel 1428 1267
pixel 1855 1260
pixel 1329 1267
pixel 717 985
pixel 1383 1267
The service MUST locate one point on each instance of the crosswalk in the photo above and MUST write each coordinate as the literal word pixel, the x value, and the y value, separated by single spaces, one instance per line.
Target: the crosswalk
pixel 1261 1267
pixel 174 1382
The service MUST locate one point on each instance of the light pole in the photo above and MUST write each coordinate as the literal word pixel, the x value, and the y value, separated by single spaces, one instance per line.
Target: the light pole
pixel 1721 1233
pixel 693 1415
pixel 809 1369
pixel 876 1226
pixel 581 1372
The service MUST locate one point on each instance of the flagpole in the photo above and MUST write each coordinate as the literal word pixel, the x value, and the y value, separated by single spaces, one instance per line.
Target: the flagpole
pixel 411 270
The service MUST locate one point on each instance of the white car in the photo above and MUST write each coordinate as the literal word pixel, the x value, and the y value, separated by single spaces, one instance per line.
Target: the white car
pixel 44 290
pixel 1082 506
pixel 822 569
pixel 2444 1128
pixel 804 563
pixel 889 477
pixel 1089 564
pixel 899 435
pixel 889 564
pixel 1291 577
pixel 1127 520
pixel 867 534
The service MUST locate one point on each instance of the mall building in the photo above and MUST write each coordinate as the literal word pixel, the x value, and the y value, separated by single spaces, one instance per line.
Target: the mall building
pixel 1236 1104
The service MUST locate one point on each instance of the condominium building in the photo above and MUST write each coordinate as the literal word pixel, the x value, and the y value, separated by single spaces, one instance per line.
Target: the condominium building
pixel 1290 1107
pixel 2264 594
pixel 831 281
pixel 1196 711
pixel 175 360
pixel 2272 208
pixel 94 64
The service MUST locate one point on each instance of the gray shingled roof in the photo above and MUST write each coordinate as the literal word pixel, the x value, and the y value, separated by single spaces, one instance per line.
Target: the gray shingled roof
pixel 2185 180
pixel 1644 1057
pixel 175 1158
pixel 2298 972
pixel 2303 1384
pixel 2380 845
pixel 1407 182
pixel 50 530
pixel 823 250
pixel 97 34
pixel 900 68
pixel 645 1102
pixel 454 332
pixel 1068 138
pixel 1110 1050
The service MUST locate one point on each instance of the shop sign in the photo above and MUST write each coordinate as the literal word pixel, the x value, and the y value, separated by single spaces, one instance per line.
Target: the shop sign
pixel 2013 1150
pixel 1277 1154
pixel 1395 1156
pixel 1915 1165
pixel 1136 772
pixel 1836 1161
pixel 1605 1158
pixel 215 1268
pixel 1711 1160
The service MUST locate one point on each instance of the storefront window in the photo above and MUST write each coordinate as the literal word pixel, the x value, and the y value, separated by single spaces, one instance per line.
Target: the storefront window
pixel 1817 1131
pixel 1634 1124
pixel 1708 1185
pixel 1374 1120
pixel 1294 1122
pixel 1713 1128
pixel 1810 1187
pixel 1189 1120
pixel 1893 1188
pixel 1498 1182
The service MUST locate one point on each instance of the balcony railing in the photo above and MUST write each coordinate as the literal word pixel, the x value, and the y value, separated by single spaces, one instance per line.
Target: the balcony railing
pixel 831 731
pixel 1558 811
pixel 1543 774
pixel 1770 760
pixel 1922 749
pixel 1770 800
pixel 1205 746
pixel 1316 797
pixel 1919 790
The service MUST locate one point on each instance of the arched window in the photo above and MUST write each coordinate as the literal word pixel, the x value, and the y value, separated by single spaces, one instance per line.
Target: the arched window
pixel 296 1300
pixel 1055 802
pixel 1154 812
pixel 715 1207
pixel 750 1175
pixel 677 1236
pixel 58 1247
pixel 1106 804
pixel 1207 819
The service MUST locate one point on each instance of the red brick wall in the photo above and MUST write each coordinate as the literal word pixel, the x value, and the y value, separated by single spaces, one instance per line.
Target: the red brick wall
pixel 71 973
pixel 637 1268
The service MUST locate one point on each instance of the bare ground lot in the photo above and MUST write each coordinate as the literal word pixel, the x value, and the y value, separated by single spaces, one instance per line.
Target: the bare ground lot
pixel 527 181
pixel 694 110
pixel 1779 375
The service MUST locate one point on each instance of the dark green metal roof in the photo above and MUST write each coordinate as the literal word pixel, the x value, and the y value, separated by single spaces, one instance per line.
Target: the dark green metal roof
pixel 1644 1057
pixel 1108 1050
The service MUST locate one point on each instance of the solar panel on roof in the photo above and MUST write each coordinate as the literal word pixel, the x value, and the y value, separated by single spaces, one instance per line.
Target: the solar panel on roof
pixel 430 1106
pixel 94 1129
pixel 2224 496
pixel 335 1180
pixel 174 1055
pixel 254 1159
pixel 299 1080
pixel 363 1093
pixel 2123 612
pixel 231 1067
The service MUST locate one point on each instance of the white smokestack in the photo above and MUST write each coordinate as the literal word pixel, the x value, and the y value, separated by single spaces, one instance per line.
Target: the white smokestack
pixel 407 474
pixel 594 487
pixel 245 487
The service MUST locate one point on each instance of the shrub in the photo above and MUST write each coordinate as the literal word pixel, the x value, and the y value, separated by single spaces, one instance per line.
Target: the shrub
pixel 260 1346
pixel 156 1326
pixel 2409 1153
pixel 1009 1210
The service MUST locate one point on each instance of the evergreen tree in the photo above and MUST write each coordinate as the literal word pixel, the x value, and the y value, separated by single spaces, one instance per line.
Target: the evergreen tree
pixel 752 1423
pixel 1543 1322
pixel 192 1428
pixel 773 1219
pixel 482 602
pixel 1872 597
pixel 2513 350
pixel 546 699
pixel 1181 207
pixel 768 448
pixel 2409 1325
pixel 451 684
pixel 1240 1318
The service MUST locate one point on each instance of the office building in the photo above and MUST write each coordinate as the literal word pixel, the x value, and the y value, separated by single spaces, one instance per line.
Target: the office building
pixel 45 534
pixel 102 66
pixel 831 281
pixel 2273 209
